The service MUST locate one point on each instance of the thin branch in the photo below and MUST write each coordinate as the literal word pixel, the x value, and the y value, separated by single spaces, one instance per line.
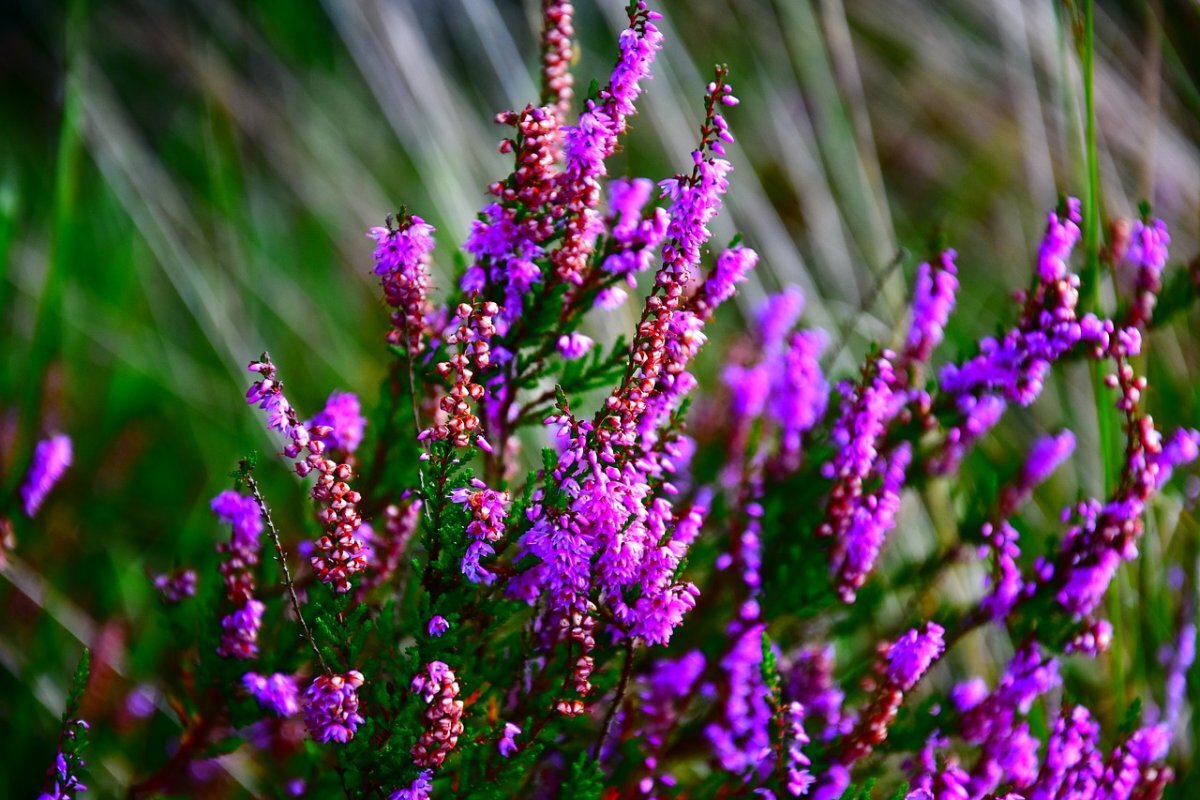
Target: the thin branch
pixel 281 557
pixel 626 671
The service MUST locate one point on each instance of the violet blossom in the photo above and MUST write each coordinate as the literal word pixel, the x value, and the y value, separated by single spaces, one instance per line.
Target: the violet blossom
pixel 51 458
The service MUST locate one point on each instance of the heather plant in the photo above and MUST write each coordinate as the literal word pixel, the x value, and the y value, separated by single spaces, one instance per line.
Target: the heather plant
pixel 539 565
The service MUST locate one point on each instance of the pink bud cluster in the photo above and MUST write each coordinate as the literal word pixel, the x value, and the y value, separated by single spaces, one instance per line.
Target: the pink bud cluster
pixel 557 30
pixel 438 687
pixel 458 422
pixel 342 555
pixel 532 183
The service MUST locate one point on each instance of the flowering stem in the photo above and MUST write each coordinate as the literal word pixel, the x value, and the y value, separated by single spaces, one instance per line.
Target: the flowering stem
pixel 281 557
pixel 626 672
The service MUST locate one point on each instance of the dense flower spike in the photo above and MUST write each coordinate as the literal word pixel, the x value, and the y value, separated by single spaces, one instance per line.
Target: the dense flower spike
pixel 859 517
pixel 341 551
pixel 240 627
pixel 488 511
pixel 1145 257
pixel 695 201
pixel 51 458
pixel 557 50
pixel 588 144
pixel 910 657
pixel 474 331
pixel 331 706
pixel 933 300
pixel 438 687
pixel 402 264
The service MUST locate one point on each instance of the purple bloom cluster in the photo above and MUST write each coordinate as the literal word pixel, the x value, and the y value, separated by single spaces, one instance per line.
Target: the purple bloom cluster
pixel 508 740
pixel 867 479
pixel 277 692
pixel 488 509
pixel 1145 257
pixel 910 656
pixel 933 300
pixel 588 144
pixel 420 789
pixel 240 627
pixel 51 458
pixel 331 706
pixel 343 416
pixel 176 586
pixel 401 262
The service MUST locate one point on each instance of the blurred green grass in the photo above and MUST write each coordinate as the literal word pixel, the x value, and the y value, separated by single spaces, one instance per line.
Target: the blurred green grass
pixel 184 185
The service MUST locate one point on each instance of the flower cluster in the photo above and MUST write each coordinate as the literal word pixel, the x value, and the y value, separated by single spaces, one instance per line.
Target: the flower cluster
pixel 277 692
pixel 488 511
pixel 438 687
pixel 401 261
pixel 342 555
pixel 331 706
pixel 472 335
pixel 240 627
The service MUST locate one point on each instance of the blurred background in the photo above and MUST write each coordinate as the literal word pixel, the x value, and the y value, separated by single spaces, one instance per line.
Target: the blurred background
pixel 185 184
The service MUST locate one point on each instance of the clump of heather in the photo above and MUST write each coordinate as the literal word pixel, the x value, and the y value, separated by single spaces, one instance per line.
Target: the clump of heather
pixel 536 571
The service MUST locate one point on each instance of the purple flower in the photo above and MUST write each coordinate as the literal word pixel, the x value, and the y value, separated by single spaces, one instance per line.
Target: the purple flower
pixel 611 298
pixel 489 509
pixel 749 388
pixel 343 414
pixel 51 458
pixel 799 779
pixel 507 743
pixel 437 626
pixel 239 631
pixel 574 345
pixel 777 315
pixel 331 706
pixel 1060 239
pixel 1045 457
pixel 420 789
pixel 177 585
pixel 1146 257
pixel 741 738
pixel 241 512
pixel 910 657
pixel 68 765
pixel 1182 448
pixel 857 516
pixel 626 198
pixel 733 265
pixel 857 548
pixel 933 300
pixel 401 261
pixel 277 692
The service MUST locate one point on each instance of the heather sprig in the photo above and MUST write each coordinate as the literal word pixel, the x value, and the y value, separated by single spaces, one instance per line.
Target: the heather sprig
pixel 723 601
